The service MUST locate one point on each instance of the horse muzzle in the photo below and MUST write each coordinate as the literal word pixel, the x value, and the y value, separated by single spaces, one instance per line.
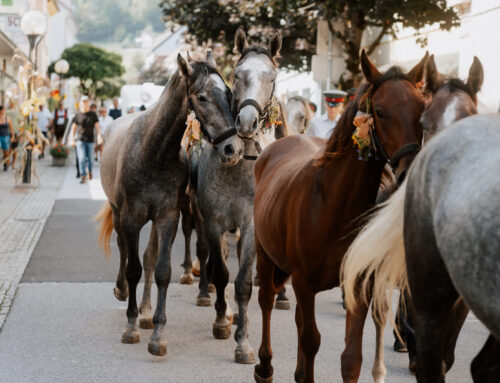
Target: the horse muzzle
pixel 230 150
pixel 247 122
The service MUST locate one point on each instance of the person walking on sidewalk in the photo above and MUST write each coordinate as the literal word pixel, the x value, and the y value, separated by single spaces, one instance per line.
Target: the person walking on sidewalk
pixel 6 132
pixel 44 121
pixel 83 131
pixel 115 112
pixel 104 121
pixel 60 121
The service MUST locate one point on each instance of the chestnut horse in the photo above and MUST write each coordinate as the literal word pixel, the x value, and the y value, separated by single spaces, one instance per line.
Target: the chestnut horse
pixel 309 192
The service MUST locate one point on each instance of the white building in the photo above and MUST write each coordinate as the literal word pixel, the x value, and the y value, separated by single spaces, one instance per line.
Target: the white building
pixel 62 29
pixel 453 50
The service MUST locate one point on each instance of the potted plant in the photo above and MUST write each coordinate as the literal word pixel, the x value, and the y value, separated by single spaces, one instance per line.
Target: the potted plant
pixel 59 154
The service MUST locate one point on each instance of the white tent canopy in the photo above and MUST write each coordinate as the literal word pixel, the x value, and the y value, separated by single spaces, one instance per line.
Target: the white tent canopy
pixel 136 95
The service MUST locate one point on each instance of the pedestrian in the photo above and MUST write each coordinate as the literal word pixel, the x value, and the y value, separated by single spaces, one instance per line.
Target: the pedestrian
pixel 104 121
pixel 323 125
pixel 44 120
pixel 6 132
pixel 13 114
pixel 60 121
pixel 83 129
pixel 313 108
pixel 115 112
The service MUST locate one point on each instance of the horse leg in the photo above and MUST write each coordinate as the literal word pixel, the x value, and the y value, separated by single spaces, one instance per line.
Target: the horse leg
pixel 149 260
pixel 299 322
pixel 309 336
pixel 187 227
pixel 352 356
pixel 130 230
pixel 243 288
pixel 457 319
pixel 379 370
pixel 263 372
pixel 223 320
pixel 166 229
pixel 282 302
pixel 485 367
pixel 121 288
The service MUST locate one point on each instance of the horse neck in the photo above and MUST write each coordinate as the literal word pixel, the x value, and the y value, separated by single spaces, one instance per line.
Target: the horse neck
pixel 163 131
pixel 349 186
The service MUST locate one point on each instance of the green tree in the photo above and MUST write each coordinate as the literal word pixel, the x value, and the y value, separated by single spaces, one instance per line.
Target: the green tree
pixel 92 65
pixel 218 20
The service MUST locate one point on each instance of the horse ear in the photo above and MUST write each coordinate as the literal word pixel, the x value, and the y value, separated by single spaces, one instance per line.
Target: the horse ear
pixel 275 44
pixel 184 67
pixel 211 60
pixel 416 74
pixel 369 70
pixel 240 40
pixel 432 77
pixel 476 75
pixel 189 58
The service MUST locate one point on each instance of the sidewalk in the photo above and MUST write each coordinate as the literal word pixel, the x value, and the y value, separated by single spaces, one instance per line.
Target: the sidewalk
pixel 23 213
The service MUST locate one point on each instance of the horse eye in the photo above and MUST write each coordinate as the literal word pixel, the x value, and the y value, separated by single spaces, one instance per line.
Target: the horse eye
pixel 202 98
pixel 379 113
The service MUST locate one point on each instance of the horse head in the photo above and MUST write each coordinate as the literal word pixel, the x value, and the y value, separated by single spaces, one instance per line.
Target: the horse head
pixel 254 82
pixel 396 105
pixel 298 114
pixel 451 99
pixel 210 98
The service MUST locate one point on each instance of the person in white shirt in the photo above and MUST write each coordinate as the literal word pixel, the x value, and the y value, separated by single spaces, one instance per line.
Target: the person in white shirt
pixel 322 126
pixel 44 118
pixel 104 120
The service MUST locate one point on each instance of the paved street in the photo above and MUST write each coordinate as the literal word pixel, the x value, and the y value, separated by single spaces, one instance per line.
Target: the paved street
pixel 65 324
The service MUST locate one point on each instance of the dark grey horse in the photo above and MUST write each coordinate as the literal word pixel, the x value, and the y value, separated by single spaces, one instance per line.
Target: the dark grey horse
pixel 439 234
pixel 222 196
pixel 144 174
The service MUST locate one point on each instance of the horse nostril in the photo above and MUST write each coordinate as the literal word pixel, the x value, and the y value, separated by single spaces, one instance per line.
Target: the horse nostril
pixel 237 122
pixel 228 150
pixel 255 125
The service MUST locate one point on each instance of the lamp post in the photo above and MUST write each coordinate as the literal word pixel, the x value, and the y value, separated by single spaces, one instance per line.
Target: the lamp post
pixel 34 26
pixel 61 67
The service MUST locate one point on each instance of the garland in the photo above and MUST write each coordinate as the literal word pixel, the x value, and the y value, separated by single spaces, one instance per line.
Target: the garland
pixel 363 121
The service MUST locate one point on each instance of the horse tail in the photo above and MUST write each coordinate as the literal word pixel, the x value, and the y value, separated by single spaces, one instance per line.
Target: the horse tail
pixel 105 227
pixel 376 258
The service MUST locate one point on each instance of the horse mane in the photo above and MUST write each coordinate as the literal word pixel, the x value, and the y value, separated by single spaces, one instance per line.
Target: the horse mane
pixel 341 140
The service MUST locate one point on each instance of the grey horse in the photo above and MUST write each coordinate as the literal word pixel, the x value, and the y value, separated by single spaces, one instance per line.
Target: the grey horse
pixel 298 115
pixel 144 174
pixel 438 236
pixel 222 196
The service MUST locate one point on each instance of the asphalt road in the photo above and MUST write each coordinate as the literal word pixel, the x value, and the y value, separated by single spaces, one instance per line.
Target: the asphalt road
pixel 65 324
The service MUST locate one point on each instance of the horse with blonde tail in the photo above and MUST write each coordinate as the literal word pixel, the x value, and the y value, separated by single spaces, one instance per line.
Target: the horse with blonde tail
pixel 438 237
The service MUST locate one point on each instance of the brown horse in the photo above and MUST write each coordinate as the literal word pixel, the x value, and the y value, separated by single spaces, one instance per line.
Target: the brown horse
pixel 308 195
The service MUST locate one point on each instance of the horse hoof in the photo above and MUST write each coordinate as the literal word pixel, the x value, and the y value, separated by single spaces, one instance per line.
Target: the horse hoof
pixel 260 379
pixel 413 364
pixel 120 295
pixel 244 358
pixel 282 305
pixel 146 323
pixel 203 301
pixel 157 348
pixel 222 332
pixel 130 337
pixel 187 279
pixel 211 288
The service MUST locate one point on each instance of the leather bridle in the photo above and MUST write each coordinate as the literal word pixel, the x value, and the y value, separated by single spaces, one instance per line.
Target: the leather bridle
pixel 405 150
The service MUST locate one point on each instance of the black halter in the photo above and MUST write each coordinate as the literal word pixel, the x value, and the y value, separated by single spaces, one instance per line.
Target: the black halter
pixel 221 137
pixel 404 151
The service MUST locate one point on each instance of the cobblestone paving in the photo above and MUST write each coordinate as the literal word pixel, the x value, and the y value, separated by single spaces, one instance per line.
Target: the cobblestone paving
pixel 19 233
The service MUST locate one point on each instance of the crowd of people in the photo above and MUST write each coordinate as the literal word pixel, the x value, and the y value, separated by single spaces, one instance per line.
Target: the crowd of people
pixel 83 130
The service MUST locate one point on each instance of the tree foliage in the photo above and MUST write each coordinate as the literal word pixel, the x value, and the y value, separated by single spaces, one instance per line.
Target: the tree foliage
pixel 218 20
pixel 94 66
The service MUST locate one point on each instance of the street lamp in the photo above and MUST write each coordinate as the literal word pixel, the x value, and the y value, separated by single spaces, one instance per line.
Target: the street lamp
pixel 61 67
pixel 34 26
